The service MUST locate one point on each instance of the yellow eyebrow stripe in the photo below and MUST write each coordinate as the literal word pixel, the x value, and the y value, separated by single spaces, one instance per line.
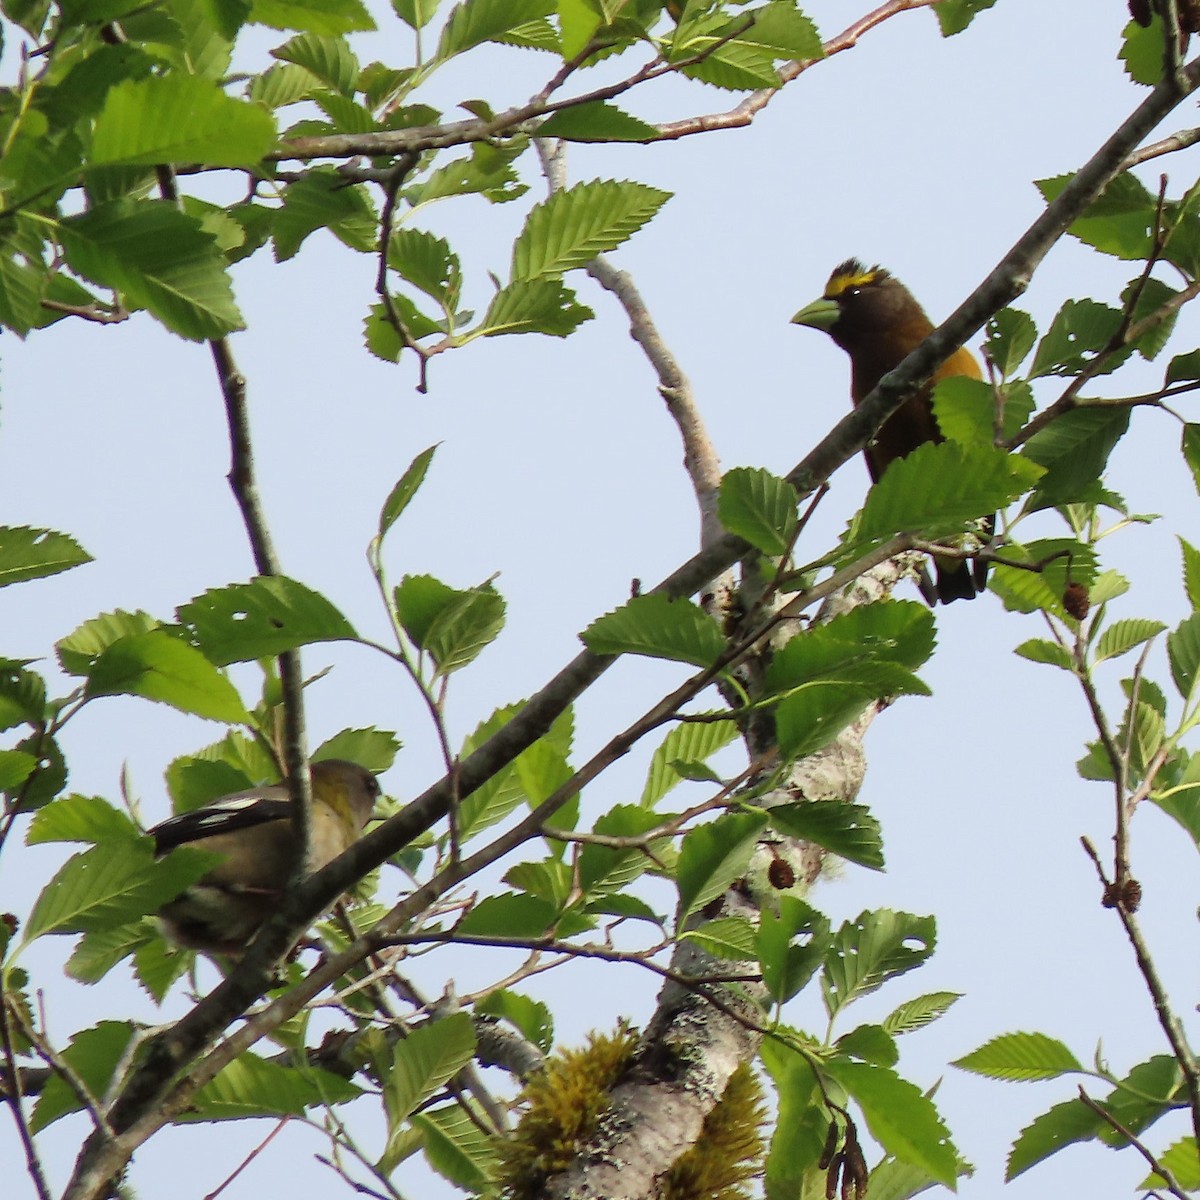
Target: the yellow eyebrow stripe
pixel 841 283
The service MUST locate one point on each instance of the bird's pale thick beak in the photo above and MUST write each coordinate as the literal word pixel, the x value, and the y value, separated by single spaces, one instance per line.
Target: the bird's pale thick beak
pixel 820 314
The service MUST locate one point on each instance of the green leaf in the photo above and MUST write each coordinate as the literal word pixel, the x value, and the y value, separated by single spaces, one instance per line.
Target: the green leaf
pixel 329 59
pixel 251 1086
pixel 658 627
pixel 428 263
pixel 955 15
pixel 80 819
pixel 965 409
pixel 263 618
pixel 158 666
pixel 916 1014
pixel 596 121
pixel 1183 367
pixel 457 1147
pixel 791 945
pixel 405 489
pixel 1182 1159
pixel 531 1018
pixel 16 766
pixel 452 626
pixel 1147 1093
pixel 941 487
pixel 1074 451
pixel 534 306
pixel 93 1055
pixel 1079 332
pixel 1119 221
pixel 281 85
pixel 27 553
pixel 372 748
pixel 1122 636
pixel 321 200
pixel 179 119
pixel 783 31
pixel 78 651
pixel 713 856
pixel 427 1058
pixel 869 1043
pixel 486 170
pixel 1039 650
pixel 848 830
pixel 1191 572
pixel 313 16
pixel 415 13
pixel 1190 444
pixel 1020 1056
pixel 690 742
pixel 901 1119
pixel 574 225
pixel 1010 337
pixel 1142 52
pixel 730 938
pixel 476 21
pixel 112 884
pixel 1059 561
pixel 1183 651
pixel 604 869
pixel 160 259
pixel 760 507
pixel 866 953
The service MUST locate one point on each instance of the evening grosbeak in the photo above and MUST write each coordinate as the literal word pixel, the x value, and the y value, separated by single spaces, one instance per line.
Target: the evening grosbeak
pixel 253 833
pixel 876 320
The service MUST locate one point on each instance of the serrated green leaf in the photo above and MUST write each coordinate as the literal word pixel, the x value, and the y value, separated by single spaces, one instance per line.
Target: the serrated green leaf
pixel 160 259
pixel 900 1117
pixel 604 869
pixel 179 119
pixel 869 951
pixel 405 489
pixel 80 648
pixel 1039 650
pixel 474 21
pixel 869 1043
pixel 1074 450
pixel 1182 1159
pixel 1118 222
pixel 98 889
pixel 16 766
pixel 330 17
pixel 158 666
pixel 1062 1125
pixel 93 1056
pixel 596 121
pixel 1021 1056
pixel 253 1087
pixel 730 938
pixel 321 200
pixel 1010 337
pixel 1190 444
pixel 531 1018
pixel 712 857
pixel 1122 636
pixel 955 15
pixel 281 85
pixel 848 830
pixel 1080 331
pixel 939 487
pixel 27 553
pixel 689 742
pixel 428 263
pixel 574 225
pixel 534 306
pixel 760 507
pixel 329 59
pixel 415 13
pixel 456 1146
pixel 658 627
pixel 424 1060
pixel 791 945
pixel 1183 367
pixel 1191 572
pixel 263 618
pixel 916 1014
pixel 1183 651
pixel 80 819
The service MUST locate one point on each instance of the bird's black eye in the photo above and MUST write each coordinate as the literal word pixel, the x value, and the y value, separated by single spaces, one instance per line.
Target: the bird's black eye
pixel 849 293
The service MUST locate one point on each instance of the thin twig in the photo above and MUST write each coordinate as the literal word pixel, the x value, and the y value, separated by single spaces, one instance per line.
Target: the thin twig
pixel 1157 1167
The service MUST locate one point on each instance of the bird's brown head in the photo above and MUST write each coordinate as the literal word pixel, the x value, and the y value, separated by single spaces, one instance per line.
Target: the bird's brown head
pixel 863 307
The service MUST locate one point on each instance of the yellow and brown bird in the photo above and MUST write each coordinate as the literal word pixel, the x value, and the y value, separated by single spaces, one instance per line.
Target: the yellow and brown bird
pixel 253 834
pixel 877 321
